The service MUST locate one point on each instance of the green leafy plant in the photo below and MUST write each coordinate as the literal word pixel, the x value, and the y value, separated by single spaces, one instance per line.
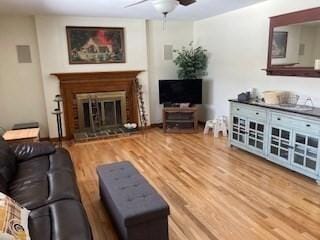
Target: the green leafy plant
pixel 192 62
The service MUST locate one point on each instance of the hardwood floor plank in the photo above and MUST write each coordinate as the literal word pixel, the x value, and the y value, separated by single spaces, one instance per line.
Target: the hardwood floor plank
pixel 214 191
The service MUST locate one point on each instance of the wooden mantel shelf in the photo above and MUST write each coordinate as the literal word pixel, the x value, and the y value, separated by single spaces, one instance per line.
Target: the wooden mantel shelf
pixel 74 83
pixel 79 76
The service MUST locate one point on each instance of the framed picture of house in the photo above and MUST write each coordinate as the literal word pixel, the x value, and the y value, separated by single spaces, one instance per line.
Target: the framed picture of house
pixel 279 44
pixel 95 45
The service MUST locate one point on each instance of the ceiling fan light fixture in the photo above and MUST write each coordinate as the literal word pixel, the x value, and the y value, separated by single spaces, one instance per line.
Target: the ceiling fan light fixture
pixel 165 6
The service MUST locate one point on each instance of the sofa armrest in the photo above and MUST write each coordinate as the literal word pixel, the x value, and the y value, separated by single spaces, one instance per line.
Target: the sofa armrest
pixel 26 151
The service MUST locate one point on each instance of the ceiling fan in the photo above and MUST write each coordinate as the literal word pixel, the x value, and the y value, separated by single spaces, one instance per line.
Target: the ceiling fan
pixel 165 6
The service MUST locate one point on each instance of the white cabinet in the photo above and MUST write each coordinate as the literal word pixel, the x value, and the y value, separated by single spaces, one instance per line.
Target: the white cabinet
pixel 288 139
pixel 305 157
pixel 239 129
pixel 256 135
pixel 280 145
pixel 249 133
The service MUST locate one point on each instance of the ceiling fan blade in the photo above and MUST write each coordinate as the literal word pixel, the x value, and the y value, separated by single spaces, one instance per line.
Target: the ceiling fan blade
pixel 136 3
pixel 186 2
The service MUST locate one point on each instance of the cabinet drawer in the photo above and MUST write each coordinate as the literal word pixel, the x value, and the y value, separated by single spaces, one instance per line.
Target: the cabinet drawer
pixel 296 123
pixel 280 119
pixel 246 111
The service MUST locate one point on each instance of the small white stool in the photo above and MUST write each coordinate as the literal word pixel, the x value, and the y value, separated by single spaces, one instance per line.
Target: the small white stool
pixel 217 125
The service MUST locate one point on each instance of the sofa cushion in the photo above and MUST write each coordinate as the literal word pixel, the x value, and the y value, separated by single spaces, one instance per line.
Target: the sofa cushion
pixel 38 191
pixel 8 165
pixel 25 151
pixel 63 220
pixel 60 160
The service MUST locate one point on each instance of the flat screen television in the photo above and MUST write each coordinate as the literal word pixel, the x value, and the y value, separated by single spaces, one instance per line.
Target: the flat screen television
pixel 180 91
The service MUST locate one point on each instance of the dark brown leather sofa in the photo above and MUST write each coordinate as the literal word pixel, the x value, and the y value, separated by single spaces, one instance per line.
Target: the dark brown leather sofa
pixel 42 179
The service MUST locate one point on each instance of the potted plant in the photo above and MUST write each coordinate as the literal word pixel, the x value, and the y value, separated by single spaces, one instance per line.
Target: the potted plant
pixel 191 62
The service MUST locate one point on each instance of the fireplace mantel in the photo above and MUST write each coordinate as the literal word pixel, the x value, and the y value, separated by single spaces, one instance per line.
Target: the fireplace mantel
pixel 85 76
pixel 75 83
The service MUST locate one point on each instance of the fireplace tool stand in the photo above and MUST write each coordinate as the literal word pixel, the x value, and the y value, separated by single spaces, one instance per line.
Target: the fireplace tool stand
pixel 57 111
pixel 94 112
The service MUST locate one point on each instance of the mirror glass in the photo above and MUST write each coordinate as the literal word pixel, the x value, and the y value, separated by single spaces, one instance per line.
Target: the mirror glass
pixel 296 45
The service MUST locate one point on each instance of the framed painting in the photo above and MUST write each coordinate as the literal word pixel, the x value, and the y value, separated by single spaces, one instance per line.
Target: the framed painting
pixel 95 45
pixel 279 44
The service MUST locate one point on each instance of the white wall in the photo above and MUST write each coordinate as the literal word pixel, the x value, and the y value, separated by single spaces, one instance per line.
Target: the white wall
pixel 238 43
pixel 51 32
pixel 177 34
pixel 308 38
pixel 21 91
pixel 317 44
pixel 144 46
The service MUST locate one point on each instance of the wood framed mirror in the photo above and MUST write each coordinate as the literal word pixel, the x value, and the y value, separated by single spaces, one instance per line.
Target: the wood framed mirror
pixel 294 44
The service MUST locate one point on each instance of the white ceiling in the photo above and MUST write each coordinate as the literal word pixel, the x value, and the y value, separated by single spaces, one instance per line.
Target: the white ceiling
pixel 115 8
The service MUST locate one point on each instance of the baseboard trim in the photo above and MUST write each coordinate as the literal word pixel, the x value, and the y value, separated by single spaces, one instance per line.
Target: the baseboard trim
pixel 156 125
pixel 152 125
pixel 159 125
pixel 55 139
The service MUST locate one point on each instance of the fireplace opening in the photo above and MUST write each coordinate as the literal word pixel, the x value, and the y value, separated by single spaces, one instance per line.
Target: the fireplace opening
pixel 101 111
pixel 107 113
pixel 101 115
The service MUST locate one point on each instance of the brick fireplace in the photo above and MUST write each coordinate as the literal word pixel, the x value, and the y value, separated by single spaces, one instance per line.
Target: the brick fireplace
pixel 112 90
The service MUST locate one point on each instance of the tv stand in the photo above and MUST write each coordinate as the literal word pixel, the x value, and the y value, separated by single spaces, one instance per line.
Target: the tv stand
pixel 180 120
pixel 171 105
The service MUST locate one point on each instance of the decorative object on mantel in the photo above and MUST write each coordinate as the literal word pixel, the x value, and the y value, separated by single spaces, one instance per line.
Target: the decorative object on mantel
pixel 192 62
pixel 57 112
pixel 92 45
pixel 142 111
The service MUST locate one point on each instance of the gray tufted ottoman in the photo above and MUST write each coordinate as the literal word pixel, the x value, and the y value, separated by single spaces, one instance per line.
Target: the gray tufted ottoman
pixel 137 210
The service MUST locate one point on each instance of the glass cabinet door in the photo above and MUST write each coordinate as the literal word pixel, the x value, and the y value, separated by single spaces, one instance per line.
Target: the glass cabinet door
pixel 239 129
pixel 305 152
pixel 256 135
pixel 280 143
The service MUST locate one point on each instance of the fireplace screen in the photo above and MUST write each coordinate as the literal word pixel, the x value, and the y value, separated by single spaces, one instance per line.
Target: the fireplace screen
pixel 101 110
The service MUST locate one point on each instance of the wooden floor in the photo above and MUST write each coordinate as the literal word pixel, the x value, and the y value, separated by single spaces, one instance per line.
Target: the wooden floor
pixel 214 192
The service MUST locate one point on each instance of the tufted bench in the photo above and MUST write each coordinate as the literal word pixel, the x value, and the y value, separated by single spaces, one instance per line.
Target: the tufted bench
pixel 137 210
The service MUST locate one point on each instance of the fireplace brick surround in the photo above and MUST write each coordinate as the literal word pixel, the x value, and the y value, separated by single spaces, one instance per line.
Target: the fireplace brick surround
pixel 72 84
